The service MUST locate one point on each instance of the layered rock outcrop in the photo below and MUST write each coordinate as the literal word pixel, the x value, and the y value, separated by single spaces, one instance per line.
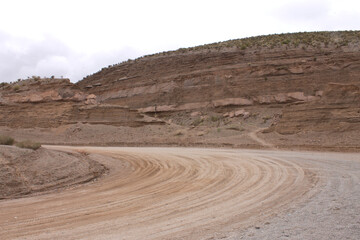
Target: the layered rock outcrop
pixel 337 111
pixel 297 83
pixel 50 103
pixel 227 77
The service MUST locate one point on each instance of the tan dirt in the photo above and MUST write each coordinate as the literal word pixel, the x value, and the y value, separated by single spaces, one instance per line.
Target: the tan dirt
pixel 179 193
pixel 26 172
pixel 262 142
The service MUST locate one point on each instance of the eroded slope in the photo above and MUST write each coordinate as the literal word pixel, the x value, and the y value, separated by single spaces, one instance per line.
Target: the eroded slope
pixel 24 171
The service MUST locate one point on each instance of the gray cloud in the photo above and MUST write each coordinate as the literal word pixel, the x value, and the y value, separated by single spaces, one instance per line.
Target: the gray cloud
pixel 23 57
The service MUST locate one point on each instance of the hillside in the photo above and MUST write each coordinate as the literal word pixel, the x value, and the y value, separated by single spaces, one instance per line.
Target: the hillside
pixel 289 90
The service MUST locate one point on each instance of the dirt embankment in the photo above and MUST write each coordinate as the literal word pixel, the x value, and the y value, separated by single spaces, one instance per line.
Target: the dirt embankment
pixel 24 171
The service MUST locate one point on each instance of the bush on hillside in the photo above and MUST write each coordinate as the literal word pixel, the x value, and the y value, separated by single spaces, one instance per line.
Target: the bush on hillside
pixel 6 140
pixel 16 88
pixel 28 144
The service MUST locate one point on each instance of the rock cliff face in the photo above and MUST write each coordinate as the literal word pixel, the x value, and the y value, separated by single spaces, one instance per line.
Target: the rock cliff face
pixel 50 103
pixel 228 77
pixel 292 83
pixel 337 111
pixel 40 90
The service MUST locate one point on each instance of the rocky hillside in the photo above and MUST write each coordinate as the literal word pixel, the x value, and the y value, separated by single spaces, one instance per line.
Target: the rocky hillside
pixel 294 85
pixel 49 103
pixel 272 69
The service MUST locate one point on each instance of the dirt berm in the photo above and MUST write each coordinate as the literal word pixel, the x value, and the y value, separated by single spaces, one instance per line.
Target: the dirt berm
pixel 24 171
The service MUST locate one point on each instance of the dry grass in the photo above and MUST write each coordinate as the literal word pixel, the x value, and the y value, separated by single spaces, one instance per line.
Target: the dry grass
pixel 197 122
pixel 6 140
pixel 303 39
pixel 28 144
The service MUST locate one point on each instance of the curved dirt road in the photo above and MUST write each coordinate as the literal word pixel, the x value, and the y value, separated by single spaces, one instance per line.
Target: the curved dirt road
pixel 170 193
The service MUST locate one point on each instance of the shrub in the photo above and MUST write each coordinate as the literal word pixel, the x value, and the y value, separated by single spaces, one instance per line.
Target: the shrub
pixel 6 140
pixel 4 84
pixel 215 118
pixel 286 41
pixel 16 87
pixel 28 144
pixel 197 122
pixel 36 78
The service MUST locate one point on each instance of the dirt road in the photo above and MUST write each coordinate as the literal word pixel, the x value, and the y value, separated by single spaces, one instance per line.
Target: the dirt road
pixel 180 193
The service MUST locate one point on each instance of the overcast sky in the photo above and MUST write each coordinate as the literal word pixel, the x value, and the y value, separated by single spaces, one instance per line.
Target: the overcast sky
pixel 78 37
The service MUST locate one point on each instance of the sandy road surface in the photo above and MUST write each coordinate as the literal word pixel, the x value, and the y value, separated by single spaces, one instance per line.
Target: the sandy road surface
pixel 170 193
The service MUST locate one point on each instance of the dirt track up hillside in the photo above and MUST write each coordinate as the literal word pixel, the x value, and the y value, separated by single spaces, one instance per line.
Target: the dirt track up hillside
pixel 163 193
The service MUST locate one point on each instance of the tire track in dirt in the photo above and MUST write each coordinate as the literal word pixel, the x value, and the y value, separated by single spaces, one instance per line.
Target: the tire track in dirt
pixel 162 193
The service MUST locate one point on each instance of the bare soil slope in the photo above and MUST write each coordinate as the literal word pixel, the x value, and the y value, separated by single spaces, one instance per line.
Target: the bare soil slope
pixel 24 171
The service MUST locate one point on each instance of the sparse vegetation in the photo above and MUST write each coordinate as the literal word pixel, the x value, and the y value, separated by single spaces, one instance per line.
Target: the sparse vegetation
pixel 6 140
pixel 308 39
pixel 4 84
pixel 16 87
pixel 266 118
pixel 215 118
pixel 19 83
pixel 28 144
pixel 36 78
pixel 197 122
pixel 303 40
